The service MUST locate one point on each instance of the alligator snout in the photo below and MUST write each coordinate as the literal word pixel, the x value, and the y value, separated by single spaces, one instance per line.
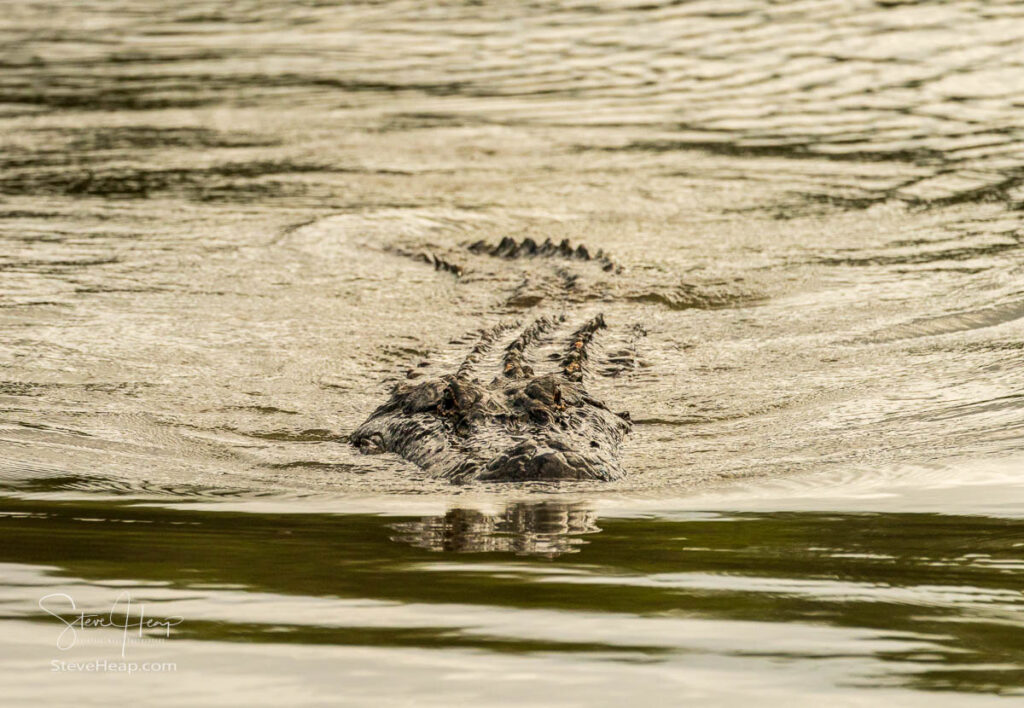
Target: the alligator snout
pixel 545 461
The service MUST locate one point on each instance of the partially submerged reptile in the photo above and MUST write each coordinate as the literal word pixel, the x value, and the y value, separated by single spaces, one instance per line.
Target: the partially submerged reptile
pixel 517 425
pixel 512 424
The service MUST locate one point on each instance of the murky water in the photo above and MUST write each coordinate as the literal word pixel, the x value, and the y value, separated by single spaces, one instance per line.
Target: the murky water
pixel 218 230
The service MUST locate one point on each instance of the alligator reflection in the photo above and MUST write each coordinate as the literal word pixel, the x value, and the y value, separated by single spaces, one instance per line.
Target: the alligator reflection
pixel 538 528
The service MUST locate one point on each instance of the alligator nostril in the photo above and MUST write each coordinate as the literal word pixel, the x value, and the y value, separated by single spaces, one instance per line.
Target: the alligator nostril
pixel 447 400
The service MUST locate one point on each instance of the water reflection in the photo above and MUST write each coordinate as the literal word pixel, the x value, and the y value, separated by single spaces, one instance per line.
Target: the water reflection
pixel 922 601
pixel 526 528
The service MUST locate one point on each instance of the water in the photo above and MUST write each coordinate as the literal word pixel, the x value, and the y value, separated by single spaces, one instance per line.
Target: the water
pixel 426 601
pixel 210 217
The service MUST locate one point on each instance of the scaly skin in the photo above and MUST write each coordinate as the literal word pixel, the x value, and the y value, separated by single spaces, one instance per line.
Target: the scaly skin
pixel 518 426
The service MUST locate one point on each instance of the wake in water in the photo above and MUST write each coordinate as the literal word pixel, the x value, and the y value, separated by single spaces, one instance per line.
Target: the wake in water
pixel 800 223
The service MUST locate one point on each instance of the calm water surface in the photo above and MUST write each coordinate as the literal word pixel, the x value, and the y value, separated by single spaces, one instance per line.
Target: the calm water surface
pixel 213 217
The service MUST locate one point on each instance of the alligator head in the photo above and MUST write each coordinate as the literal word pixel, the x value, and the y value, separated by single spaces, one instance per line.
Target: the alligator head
pixel 518 426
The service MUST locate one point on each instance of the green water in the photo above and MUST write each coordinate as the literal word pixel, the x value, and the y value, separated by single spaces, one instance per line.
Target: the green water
pixel 512 603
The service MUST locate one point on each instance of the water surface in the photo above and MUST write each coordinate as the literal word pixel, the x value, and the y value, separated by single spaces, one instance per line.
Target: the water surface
pixel 212 223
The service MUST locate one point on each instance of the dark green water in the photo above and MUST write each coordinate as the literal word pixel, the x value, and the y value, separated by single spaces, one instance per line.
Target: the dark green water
pixel 890 606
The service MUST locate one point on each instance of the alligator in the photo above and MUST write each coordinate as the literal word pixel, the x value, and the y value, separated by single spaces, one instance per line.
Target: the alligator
pixel 512 424
pixel 520 425
pixel 572 274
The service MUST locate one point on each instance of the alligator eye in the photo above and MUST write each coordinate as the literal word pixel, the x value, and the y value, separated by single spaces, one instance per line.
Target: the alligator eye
pixel 452 399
